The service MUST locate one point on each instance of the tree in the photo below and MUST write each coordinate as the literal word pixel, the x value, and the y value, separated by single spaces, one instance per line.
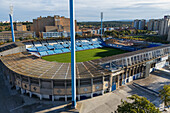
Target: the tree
pixel 165 95
pixel 139 105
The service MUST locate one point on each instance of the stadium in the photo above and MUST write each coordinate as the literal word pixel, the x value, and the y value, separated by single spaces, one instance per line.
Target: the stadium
pixel 42 68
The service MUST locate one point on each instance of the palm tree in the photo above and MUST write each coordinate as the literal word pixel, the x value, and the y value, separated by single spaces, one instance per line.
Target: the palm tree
pixel 165 95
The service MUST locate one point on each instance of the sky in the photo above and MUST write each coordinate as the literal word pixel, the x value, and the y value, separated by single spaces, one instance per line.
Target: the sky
pixel 86 10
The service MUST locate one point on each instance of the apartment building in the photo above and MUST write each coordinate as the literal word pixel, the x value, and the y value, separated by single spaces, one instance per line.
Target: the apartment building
pixel 164 25
pixel 52 24
pixel 139 24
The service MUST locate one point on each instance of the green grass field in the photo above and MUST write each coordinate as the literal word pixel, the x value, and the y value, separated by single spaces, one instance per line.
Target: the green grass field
pixel 86 55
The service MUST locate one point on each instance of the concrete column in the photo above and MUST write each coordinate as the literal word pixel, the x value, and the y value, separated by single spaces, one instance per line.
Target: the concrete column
pixel 53 98
pixel 65 98
pixel 102 92
pixel 91 95
pixel 79 86
pixel 17 88
pixel 40 96
pixel 111 78
pixel 52 86
pixel 122 62
pixel 122 74
pixel 130 71
pixel 133 71
pixel 92 85
pixel 162 52
pixel 126 62
pixel 130 60
pixel 118 81
pixel 140 58
pixel 126 75
pixel 78 97
pixel 103 85
pixel 65 87
pixel 155 54
pixel 30 94
pixel 151 55
pixel 111 65
pixel 142 70
pixel 29 83
pixel 22 91
pixel 136 71
pixel 40 83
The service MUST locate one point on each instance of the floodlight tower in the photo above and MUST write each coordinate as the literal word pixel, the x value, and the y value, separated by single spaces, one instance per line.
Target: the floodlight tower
pixel 11 21
pixel 73 57
pixel 101 24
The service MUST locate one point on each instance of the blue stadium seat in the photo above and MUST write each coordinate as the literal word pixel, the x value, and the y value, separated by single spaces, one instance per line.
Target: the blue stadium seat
pixel 58 51
pixel 50 47
pixel 78 44
pixel 85 47
pixel 100 46
pixel 90 43
pixel 69 44
pixel 65 45
pixel 85 43
pixel 91 47
pixel 95 42
pixel 58 46
pixel 43 53
pixel 65 50
pixel 79 48
pixel 42 48
pixel 95 46
pixel 33 49
pixel 50 52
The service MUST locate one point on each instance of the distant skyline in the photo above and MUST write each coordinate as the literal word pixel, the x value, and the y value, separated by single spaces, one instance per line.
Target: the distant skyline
pixel 86 10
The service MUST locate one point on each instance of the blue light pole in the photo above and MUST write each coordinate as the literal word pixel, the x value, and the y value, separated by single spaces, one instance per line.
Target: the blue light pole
pixel 11 21
pixel 73 57
pixel 101 24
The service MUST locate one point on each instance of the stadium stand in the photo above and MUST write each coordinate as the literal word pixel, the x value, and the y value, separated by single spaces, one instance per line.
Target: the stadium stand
pixel 62 46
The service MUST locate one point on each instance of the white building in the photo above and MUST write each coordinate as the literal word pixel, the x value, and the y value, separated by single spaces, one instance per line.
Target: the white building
pixel 142 24
pixel 136 24
pixel 168 36
pixel 164 25
pixel 139 24
pixel 153 24
pixel 57 34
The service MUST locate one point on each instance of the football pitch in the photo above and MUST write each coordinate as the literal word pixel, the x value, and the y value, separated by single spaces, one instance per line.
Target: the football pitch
pixel 86 55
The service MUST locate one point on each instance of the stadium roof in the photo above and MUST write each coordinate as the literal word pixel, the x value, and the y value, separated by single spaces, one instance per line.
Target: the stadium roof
pixel 31 66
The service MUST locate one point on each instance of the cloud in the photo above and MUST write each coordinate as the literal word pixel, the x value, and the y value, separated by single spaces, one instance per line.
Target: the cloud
pixel 86 10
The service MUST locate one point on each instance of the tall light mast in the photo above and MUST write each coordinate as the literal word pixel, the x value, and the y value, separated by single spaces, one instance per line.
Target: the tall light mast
pixel 11 21
pixel 73 56
pixel 101 24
